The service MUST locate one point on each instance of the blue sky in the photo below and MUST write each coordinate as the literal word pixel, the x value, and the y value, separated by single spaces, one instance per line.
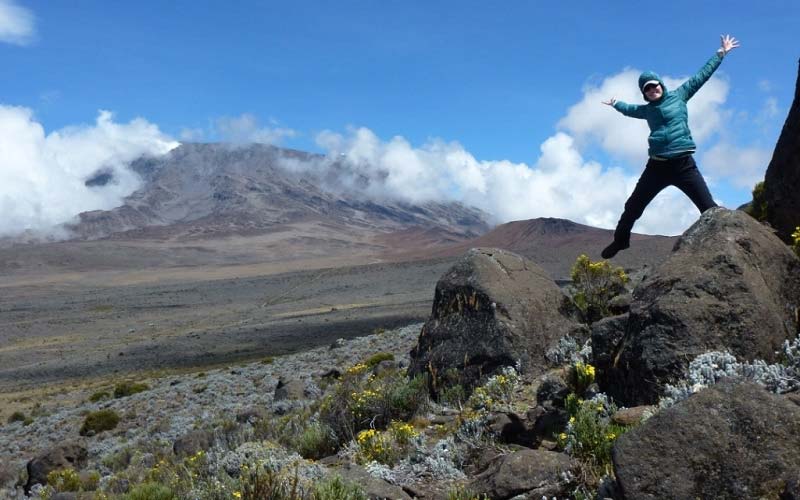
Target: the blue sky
pixel 497 82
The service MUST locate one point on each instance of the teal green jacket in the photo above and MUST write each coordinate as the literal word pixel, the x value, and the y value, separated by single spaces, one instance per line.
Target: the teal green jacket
pixel 667 117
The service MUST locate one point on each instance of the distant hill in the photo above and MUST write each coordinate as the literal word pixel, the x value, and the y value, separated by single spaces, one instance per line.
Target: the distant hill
pixel 554 244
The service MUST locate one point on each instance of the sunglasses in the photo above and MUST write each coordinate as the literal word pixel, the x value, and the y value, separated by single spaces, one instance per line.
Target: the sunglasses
pixel 650 87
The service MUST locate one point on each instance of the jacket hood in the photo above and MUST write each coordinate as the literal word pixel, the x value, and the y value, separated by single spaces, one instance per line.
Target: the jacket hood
pixel 650 75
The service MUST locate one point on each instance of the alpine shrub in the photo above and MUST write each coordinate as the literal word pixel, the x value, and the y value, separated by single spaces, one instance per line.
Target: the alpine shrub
pixel 590 434
pixel 757 209
pixel 128 388
pixel 594 284
pixel 98 421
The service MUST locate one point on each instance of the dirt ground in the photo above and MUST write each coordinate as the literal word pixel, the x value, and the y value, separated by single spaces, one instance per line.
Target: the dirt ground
pixel 57 331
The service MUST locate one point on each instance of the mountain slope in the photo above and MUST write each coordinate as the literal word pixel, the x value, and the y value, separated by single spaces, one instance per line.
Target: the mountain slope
pixel 201 191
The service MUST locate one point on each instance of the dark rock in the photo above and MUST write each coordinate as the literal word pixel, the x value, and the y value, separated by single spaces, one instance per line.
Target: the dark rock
pixel 491 309
pixel 429 489
pixel 783 175
pixel 532 472
pixel 794 397
pixel 552 392
pixel 607 335
pixel 513 429
pixel 67 455
pixel 729 441
pixel 332 373
pixel 620 304
pixel 791 490
pixel 194 441
pixel 547 421
pixel 374 488
pixel 481 459
pixel 729 284
pixel 608 489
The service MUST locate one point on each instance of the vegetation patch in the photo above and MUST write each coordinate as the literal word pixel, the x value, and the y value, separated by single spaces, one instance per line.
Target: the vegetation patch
pixel 594 284
pixel 98 421
pixel 378 357
pixel 386 447
pixel 17 416
pixel 128 388
pixel 69 480
pixel 757 208
pixel 362 400
pixel 99 396
pixel 497 393
pixel 151 491
pixel 461 493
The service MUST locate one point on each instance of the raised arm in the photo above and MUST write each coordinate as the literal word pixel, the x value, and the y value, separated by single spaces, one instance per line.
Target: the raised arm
pixel 693 84
pixel 632 110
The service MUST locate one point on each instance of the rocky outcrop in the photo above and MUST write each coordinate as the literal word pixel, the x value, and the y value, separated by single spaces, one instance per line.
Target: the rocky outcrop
pixel 492 309
pixel 729 284
pixel 535 473
pixel 783 175
pixel 65 456
pixel 730 441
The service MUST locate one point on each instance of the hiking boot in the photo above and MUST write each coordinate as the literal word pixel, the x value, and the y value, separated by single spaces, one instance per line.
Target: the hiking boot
pixel 612 249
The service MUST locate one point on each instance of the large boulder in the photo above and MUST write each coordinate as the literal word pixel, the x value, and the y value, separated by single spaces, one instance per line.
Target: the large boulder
pixel 729 441
pixel 729 285
pixel 535 473
pixel 64 456
pixel 491 309
pixel 783 175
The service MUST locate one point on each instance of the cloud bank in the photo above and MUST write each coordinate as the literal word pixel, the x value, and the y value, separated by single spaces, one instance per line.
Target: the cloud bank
pixel 44 175
pixel 562 181
pixel 16 23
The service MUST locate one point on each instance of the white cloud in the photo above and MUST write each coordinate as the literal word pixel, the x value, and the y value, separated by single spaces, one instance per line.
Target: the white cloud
pixel 562 183
pixel 245 129
pixel 769 111
pixel 44 175
pixel 16 23
pixel 192 134
pixel 743 167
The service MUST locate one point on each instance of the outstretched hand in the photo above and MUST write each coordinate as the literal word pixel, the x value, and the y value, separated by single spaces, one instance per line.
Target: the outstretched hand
pixel 728 43
pixel 610 102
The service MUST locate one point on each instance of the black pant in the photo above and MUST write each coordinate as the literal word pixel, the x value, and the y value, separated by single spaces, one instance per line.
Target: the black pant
pixel 679 172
